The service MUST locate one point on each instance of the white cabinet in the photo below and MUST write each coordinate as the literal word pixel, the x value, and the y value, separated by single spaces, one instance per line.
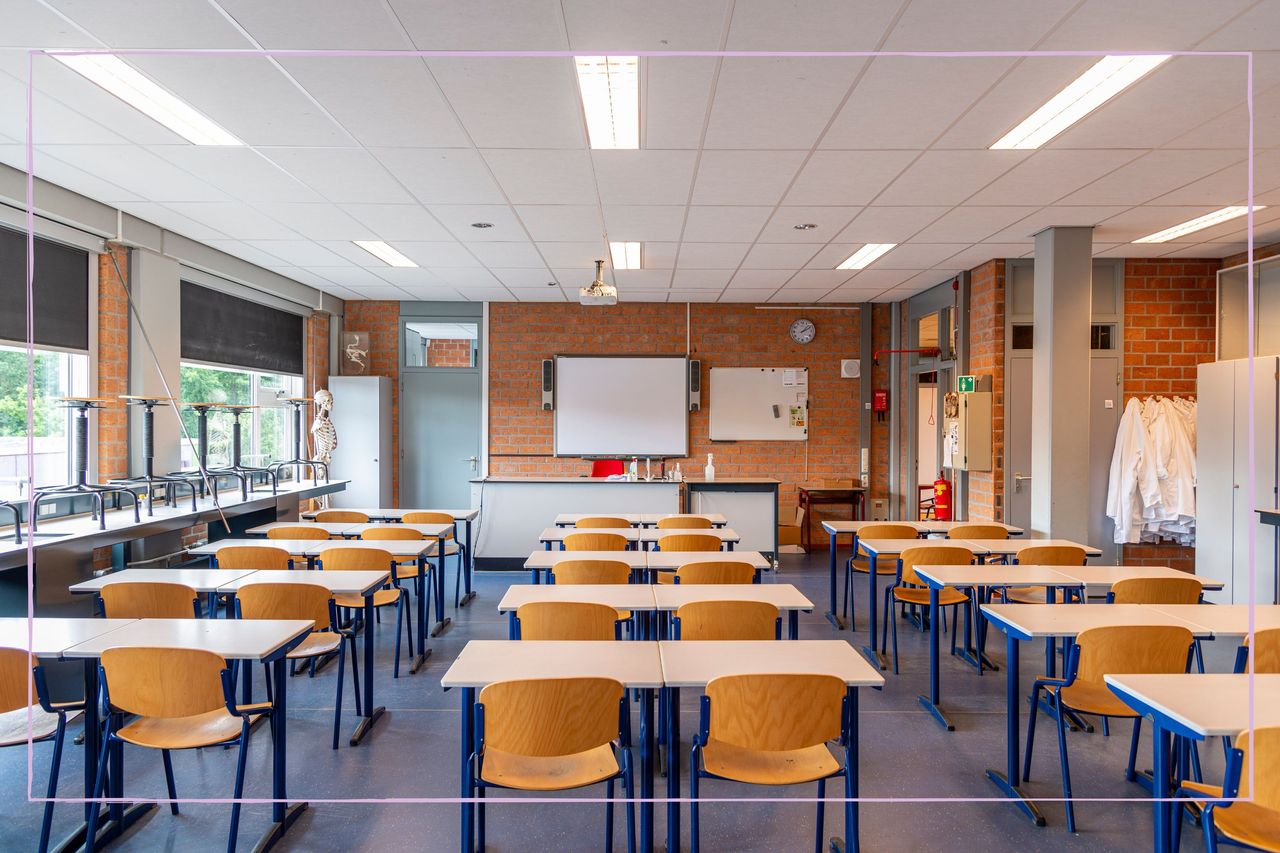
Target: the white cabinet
pixel 362 417
pixel 1227 526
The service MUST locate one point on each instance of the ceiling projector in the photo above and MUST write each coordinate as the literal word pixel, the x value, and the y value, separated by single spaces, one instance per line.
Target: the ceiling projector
pixel 598 293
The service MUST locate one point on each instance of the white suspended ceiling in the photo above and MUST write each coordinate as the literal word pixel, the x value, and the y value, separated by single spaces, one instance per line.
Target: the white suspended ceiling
pixel 735 151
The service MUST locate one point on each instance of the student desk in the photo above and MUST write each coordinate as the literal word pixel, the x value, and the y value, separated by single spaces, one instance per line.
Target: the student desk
pixel 545 561
pixel 333 528
pixel 1013 547
pixel 338 583
pixel 1047 621
pixel 688 664
pixel 637 665
pixel 203 581
pixel 669 561
pixel 294 547
pixel 1196 707
pixel 784 596
pixel 650 536
pixel 258 640
pixel 639 519
pixel 1226 620
pixel 1100 579
pixel 555 535
pixel 638 598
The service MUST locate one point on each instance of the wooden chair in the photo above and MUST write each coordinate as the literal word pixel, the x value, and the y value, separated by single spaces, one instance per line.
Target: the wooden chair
pixel 1263 655
pixel 337 559
pixel 689 542
pixel 553 734
pixel 909 588
pixel 774 730
pixel 863 566
pixel 178 699
pixel 1186 590
pixel 711 572
pixel 341 515
pixel 305 601
pixel 43 721
pixel 1098 652
pixel 149 600
pixel 594 572
pixel 1040 555
pixel 452 547
pixel 978 531
pixel 1252 820
pixel 301 531
pixel 396 533
pixel 253 557
pixel 601 522
pixel 727 620
pixel 685 522
pixel 566 620
pixel 595 542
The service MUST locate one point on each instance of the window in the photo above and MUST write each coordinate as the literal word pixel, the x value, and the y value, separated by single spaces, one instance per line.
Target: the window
pixel 1023 336
pixel 1102 336
pixel 266 433
pixel 440 344
pixel 57 374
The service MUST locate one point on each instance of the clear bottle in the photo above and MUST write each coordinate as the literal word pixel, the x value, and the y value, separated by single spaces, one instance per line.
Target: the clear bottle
pixel 634 473
pixel 709 473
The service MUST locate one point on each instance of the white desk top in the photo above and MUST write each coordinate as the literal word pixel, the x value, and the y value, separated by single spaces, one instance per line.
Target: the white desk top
pixel 333 528
pixel 430 530
pixel 53 636
pixel 338 583
pixel 895 547
pixel 399 512
pixel 1106 576
pixel 295 547
pixel 676 559
pixel 1067 620
pixel 557 534
pixel 724 534
pixel 1225 620
pixel 234 639
pixel 693 663
pixel 995 575
pixel 572 518
pixel 619 596
pixel 846 527
pixel 784 596
pixel 549 559
pixel 634 663
pixel 401 548
pixel 201 580
pixel 655 517
pixel 1009 547
pixel 1210 705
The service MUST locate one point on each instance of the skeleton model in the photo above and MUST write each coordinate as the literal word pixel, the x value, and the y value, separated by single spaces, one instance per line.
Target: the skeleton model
pixel 357 354
pixel 324 435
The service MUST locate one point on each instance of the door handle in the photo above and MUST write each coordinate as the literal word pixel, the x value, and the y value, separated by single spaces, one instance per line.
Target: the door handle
pixel 1017 481
pixel 474 460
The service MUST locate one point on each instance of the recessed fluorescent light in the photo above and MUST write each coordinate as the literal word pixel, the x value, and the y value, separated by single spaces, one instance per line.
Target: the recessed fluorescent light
pixel 143 94
pixel 626 256
pixel 610 87
pixel 1107 78
pixel 385 253
pixel 1197 224
pixel 865 256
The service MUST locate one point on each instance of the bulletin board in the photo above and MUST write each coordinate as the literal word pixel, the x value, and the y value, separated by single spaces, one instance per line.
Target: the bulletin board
pixel 759 403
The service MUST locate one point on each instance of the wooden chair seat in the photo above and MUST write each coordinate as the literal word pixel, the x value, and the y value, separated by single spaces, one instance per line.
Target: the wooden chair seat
pixel 406 571
pixel 1243 822
pixel 1024 595
pixel 381 598
pixel 316 643
pixel 666 577
pixel 914 595
pixel 450 548
pixel 549 772
pixel 768 767
pixel 14 729
pixel 883 567
pixel 208 729
pixel 1093 698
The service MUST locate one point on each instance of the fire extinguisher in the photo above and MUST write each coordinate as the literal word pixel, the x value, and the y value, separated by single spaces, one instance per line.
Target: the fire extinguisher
pixel 942 499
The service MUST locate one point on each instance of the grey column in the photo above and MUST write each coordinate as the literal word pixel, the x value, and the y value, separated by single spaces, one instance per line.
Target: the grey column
pixel 1060 414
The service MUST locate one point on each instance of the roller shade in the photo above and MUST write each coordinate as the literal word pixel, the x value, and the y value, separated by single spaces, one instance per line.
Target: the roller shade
pixel 223 329
pixel 61 292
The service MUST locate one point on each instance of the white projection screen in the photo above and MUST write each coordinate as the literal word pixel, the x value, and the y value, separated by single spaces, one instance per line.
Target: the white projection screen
pixel 621 406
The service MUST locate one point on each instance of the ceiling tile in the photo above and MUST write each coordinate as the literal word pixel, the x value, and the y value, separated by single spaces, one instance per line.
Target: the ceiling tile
pixel 398 221
pixel 512 255
pixel 432 293
pixel 949 177
pixel 442 175
pixel 240 172
pixel 408 277
pixel 341 174
pixel 465 280
pixel 236 220
pixel 776 102
pixel 800 294
pixel 1054 216
pixel 812 25
pixel 574 256
pixel 694 296
pixel 526 279
pixel 711 256
pixel 384 292
pixel 644 177
pixel 1146 25
pixel 539 294
pixel 55 171
pixel 723 224
pixel 258 254
pixel 662 255
pixel 55 123
pixel 483 25
pixel 1206 250
pixel 95 103
pixel 818 279
pixel 878 279
pixel 644 222
pixel 850 295
pixel 353 277
pixel 846 177
pixel 445 254
pixel 883 224
pixel 1140 221
pixel 778 256
pixel 1230 185
pixel 572 278
pixel 544 177
pixel 746 295
pixel 140 172
pixel 154 23
pixel 971 223
pixel 980 254
pixel 759 280
pixel 300 253
pixel 700 279
pixel 990 25
pixel 675 93
pixel 514 103
pixel 458 218
pixel 40 25
pixel 562 222
pixel 319 24
pixel 830 221
pixel 744 177
pixel 633 25
pixel 1049 174
pixel 642 279
pixel 316 221
pixel 904 256
pixel 1151 175
pixel 165 217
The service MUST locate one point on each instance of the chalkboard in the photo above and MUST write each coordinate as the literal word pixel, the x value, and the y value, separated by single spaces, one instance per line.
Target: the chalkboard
pixel 223 329
pixel 61 290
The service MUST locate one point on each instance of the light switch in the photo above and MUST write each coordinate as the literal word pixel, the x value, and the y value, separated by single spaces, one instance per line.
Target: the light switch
pixel 1108 404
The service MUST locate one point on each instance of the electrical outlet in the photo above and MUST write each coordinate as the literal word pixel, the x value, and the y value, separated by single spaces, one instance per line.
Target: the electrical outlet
pixel 48 509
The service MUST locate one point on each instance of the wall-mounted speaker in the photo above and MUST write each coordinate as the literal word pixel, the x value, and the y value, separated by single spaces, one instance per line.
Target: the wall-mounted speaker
pixel 850 368
pixel 548 384
pixel 695 385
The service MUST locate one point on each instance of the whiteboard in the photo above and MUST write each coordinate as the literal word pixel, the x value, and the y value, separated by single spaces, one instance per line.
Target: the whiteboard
pixel 622 406
pixel 759 403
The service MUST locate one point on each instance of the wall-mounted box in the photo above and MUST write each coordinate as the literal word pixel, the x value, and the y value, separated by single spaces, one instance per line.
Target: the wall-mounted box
pixel 966 437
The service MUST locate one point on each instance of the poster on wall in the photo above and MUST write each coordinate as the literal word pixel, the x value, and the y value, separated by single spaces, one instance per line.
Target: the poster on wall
pixel 355 353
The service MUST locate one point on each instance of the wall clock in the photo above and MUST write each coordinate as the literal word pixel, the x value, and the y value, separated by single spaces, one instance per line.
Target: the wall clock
pixel 803 331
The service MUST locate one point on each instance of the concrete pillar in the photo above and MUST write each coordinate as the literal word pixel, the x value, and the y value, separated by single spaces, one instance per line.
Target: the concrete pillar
pixel 156 290
pixel 1060 415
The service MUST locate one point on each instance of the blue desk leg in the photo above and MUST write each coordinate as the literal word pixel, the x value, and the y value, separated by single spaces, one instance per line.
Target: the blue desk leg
pixel 283 815
pixel 793 624
pixel 832 616
pixel 468 566
pixel 646 769
pixel 442 621
pixel 371 713
pixel 930 702
pixel 1007 781
pixel 467 807
pixel 1160 743
pixel 420 584
pixel 872 653
pixel 673 768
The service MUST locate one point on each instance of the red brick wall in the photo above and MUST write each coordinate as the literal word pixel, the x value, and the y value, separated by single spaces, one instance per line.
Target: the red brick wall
pixel 449 353
pixel 113 364
pixel 986 358
pixel 382 321
pixel 881 322
pixel 721 335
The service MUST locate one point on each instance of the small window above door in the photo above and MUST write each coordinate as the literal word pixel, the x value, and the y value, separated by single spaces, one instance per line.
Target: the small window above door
pixel 441 344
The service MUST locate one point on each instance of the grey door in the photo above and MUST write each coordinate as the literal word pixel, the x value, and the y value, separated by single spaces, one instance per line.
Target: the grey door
pixel 1017 441
pixel 1105 408
pixel 439 437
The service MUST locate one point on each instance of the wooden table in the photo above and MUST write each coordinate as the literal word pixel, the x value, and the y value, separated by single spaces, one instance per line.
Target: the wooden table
pixel 638 519
pixel 669 561
pixel 482 662
pixel 555 535
pixel 784 596
pixel 1102 578
pixel 1013 547
pixel 688 664
pixel 261 640
pixel 545 561
pixel 203 581
pixel 651 536
pixel 1196 707
pixel 813 494
pixel 333 528
pixel 637 598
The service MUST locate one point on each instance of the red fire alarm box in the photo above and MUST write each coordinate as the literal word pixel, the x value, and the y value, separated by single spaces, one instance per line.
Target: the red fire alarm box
pixel 880 400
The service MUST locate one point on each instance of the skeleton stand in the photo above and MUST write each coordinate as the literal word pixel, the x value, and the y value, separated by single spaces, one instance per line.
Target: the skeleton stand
pixel 149 478
pixel 82 486
pixel 235 467
pixel 297 462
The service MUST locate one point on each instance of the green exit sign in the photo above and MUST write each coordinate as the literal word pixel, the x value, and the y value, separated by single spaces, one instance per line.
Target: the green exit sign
pixel 965 384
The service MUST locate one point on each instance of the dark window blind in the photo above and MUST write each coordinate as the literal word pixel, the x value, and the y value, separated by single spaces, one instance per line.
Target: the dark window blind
pixel 223 329
pixel 61 292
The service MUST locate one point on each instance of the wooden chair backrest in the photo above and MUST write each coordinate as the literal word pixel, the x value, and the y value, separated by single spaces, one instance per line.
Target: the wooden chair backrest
pixel 148 600
pixel 1052 555
pixel 301 531
pixel 601 522
pixel 888 531
pixel 390 531
pixel 932 555
pixel 718 571
pixel 595 542
pixel 341 515
pixel 685 522
pixel 551 716
pixel 285 601
pixel 591 571
pixel 258 557
pixel 1157 591
pixel 17 686
pixel 728 620
pixel 689 542
pixel 1262 747
pixel 164 682
pixel 775 712
pixel 1264 651
pixel 339 559
pixel 427 517
pixel 1132 649
pixel 566 620
pixel 978 531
